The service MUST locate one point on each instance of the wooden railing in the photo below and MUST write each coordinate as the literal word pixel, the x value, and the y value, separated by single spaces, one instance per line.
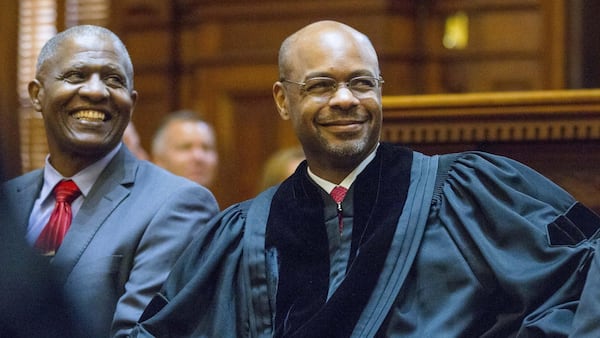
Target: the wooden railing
pixel 555 132
pixel 558 115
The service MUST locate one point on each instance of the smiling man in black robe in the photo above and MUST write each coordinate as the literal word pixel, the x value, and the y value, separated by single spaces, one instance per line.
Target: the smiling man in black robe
pixel 462 245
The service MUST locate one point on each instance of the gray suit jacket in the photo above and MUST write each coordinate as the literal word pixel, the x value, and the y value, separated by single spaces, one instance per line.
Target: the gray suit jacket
pixel 131 228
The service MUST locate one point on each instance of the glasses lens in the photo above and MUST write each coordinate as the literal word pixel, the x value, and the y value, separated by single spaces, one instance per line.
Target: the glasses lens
pixel 320 85
pixel 325 86
pixel 363 83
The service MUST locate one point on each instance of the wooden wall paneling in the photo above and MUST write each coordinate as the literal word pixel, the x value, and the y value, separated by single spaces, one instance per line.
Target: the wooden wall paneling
pixel 590 33
pixel 400 76
pixel 516 31
pixel 251 31
pixel 396 38
pixel 154 90
pixel 35 136
pixel 237 100
pixel 504 53
pixel 150 49
pixel 554 43
pixel 508 47
pixel 492 75
pixel 136 14
pixel 255 136
pixel 10 163
pixel 146 27
pixel 194 11
pixel 200 42
pixel 222 60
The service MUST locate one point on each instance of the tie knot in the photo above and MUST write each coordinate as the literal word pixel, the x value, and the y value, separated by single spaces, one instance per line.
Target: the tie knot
pixel 338 193
pixel 66 191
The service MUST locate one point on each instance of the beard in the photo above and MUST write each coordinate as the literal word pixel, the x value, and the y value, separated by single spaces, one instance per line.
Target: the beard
pixel 347 149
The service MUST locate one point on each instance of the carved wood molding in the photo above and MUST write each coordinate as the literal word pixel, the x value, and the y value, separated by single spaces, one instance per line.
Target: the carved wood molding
pixel 552 115
pixel 201 10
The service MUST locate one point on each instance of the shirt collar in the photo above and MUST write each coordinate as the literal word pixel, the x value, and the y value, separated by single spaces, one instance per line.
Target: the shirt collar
pixel 84 179
pixel 346 182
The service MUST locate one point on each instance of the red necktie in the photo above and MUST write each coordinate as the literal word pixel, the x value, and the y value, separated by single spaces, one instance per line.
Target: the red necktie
pixel 338 193
pixel 60 219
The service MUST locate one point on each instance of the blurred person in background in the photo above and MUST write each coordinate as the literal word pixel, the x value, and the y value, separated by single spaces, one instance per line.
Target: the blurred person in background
pixel 280 166
pixel 185 144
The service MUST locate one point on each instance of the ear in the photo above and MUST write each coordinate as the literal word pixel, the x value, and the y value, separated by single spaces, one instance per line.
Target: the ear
pixel 280 100
pixel 134 97
pixel 36 94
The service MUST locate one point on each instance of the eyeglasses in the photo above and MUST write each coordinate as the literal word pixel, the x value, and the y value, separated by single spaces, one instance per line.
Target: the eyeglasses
pixel 326 86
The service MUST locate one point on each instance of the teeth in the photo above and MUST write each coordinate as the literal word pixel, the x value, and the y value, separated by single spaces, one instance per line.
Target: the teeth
pixel 91 115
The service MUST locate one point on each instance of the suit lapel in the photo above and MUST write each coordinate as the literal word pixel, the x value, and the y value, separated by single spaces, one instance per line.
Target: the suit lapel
pixel 23 195
pixel 108 192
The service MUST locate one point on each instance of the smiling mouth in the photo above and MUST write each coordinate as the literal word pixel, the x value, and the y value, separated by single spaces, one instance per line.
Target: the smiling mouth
pixel 90 115
pixel 342 123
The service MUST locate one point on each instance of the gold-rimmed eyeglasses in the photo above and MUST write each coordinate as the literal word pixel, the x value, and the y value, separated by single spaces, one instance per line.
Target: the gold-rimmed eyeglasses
pixel 326 86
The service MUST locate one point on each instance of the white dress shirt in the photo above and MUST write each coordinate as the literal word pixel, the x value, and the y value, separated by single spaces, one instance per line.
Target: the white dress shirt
pixel 44 204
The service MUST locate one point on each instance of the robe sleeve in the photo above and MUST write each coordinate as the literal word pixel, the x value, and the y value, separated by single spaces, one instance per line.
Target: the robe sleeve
pixel 200 295
pixel 587 318
pixel 528 242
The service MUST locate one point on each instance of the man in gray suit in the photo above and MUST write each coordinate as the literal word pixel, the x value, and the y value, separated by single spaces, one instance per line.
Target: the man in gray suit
pixel 132 219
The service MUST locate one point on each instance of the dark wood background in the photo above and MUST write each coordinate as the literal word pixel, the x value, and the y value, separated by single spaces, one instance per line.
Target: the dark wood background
pixel 220 57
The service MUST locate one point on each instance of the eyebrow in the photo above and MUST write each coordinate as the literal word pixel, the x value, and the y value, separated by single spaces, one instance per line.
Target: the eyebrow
pixel 361 72
pixel 111 67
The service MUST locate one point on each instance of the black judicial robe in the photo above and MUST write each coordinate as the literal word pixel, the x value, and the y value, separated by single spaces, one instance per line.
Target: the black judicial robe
pixel 587 319
pixel 485 248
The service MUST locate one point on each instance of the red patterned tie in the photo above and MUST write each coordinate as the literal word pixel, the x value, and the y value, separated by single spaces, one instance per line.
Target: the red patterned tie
pixel 60 219
pixel 338 193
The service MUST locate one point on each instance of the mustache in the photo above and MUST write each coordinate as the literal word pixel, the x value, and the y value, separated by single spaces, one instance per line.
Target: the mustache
pixel 342 118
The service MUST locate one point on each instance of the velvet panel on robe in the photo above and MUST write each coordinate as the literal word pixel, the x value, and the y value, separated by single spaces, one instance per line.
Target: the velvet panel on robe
pixel 164 321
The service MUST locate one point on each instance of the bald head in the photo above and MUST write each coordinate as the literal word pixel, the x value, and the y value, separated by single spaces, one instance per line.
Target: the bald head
pixel 330 91
pixel 51 47
pixel 328 33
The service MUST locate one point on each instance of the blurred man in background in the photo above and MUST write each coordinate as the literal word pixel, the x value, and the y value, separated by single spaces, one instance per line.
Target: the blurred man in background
pixel 185 145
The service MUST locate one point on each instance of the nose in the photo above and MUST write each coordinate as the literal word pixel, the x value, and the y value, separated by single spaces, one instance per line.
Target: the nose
pixel 199 154
pixel 343 97
pixel 94 88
